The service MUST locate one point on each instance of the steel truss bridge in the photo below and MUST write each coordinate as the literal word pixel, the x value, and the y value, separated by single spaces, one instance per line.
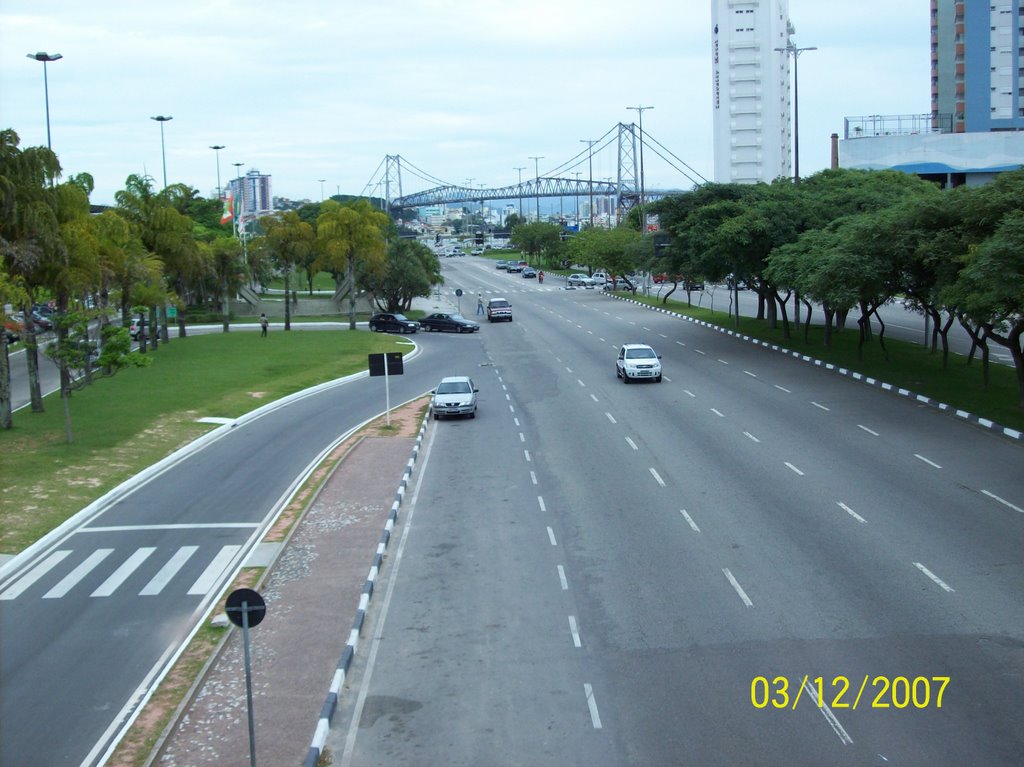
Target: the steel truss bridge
pixel 626 189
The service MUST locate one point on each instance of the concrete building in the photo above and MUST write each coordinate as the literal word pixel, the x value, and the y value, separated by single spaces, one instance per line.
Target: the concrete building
pixel 750 90
pixel 252 195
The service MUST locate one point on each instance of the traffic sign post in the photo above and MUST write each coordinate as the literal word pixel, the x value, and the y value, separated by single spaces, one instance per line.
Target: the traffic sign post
pixel 385 365
pixel 246 608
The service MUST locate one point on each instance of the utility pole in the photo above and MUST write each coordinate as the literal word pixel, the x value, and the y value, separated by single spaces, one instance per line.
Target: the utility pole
pixel 792 50
pixel 590 160
pixel 536 173
pixel 520 169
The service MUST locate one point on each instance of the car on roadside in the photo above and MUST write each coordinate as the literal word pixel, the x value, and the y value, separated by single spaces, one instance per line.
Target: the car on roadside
pixel 581 281
pixel 638 362
pixel 530 273
pixel 389 322
pixel 455 395
pixel 501 263
pixel 445 321
pixel 513 266
pixel 137 326
pixel 12 330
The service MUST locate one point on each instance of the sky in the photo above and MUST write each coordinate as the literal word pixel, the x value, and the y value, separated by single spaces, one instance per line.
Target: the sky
pixel 465 92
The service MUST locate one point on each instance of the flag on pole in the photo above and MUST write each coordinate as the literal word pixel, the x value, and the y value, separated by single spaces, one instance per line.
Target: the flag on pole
pixel 229 209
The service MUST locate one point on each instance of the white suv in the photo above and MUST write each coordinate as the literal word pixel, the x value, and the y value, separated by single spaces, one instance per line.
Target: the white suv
pixel 638 361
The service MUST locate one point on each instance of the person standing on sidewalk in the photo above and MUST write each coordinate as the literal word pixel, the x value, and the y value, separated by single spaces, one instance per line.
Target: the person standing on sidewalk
pixel 264 324
pixel 479 304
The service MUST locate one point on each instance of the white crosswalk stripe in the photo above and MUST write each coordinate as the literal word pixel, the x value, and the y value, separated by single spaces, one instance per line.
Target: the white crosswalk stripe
pixel 168 571
pixel 68 581
pixel 120 575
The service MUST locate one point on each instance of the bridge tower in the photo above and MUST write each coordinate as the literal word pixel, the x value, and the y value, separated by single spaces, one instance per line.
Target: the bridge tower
pixel 629 179
pixel 392 178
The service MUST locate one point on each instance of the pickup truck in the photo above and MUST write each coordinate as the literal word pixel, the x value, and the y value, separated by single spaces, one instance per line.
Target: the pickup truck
pixel 499 309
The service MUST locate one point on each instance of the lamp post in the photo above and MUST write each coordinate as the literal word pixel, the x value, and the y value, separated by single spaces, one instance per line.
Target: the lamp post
pixel 216 148
pixel 590 162
pixel 46 57
pixel 321 180
pixel 241 195
pixel 520 169
pixel 163 154
pixel 576 173
pixel 536 173
pixel 640 111
pixel 792 50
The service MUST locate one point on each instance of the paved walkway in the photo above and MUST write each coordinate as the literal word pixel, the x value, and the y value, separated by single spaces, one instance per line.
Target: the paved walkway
pixel 312 592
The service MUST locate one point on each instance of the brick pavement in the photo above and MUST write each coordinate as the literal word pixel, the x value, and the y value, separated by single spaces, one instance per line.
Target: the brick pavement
pixel 312 592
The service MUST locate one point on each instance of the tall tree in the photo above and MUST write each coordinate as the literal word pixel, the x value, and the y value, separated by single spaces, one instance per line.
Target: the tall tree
pixel 288 240
pixel 412 269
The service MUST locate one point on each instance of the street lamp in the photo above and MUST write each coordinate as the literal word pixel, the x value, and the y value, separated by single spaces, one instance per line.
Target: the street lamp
pixel 241 195
pixel 792 50
pixel 640 111
pixel 590 158
pixel 321 180
pixel 520 169
pixel 536 174
pixel 45 57
pixel 216 148
pixel 576 173
pixel 162 119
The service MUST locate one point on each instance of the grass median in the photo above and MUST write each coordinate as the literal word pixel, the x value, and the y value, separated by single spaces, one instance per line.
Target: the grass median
pixel 122 424
pixel 905 365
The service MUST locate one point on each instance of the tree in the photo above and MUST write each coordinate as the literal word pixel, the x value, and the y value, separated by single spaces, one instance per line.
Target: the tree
pixel 614 250
pixel 10 293
pixel 412 269
pixel 537 239
pixel 288 240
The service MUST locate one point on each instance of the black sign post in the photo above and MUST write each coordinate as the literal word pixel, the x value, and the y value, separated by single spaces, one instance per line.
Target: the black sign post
pixel 389 363
pixel 246 608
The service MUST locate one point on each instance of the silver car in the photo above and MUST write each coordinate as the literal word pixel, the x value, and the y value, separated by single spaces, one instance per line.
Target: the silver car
pixel 455 395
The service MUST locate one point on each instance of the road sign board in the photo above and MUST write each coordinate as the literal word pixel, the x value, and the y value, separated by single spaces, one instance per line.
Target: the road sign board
pixel 394 364
pixel 254 606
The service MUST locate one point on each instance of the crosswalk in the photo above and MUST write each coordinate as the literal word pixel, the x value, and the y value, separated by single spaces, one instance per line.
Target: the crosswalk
pixel 67 572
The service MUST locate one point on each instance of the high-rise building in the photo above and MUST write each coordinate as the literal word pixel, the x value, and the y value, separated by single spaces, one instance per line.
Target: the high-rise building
pixel 750 90
pixel 977 62
pixel 252 195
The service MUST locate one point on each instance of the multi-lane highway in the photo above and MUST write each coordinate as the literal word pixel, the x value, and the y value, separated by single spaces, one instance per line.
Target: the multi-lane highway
pixel 754 562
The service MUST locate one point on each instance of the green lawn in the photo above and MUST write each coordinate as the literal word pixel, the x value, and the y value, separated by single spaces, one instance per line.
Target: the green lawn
pixel 909 366
pixel 123 424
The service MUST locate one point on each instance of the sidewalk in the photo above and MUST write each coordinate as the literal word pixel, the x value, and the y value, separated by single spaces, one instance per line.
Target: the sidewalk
pixel 313 591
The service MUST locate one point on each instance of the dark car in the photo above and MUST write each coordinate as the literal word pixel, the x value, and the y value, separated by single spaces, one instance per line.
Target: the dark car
pixel 530 272
pixel 514 267
pixel 386 322
pixel 456 323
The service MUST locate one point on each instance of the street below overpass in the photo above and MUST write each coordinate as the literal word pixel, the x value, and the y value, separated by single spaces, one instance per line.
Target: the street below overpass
pixel 755 562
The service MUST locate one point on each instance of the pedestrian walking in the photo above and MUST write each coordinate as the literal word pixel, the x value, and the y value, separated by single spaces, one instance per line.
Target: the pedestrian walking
pixel 480 304
pixel 264 324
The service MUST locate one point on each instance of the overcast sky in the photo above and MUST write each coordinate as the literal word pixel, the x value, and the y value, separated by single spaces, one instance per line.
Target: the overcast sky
pixel 315 89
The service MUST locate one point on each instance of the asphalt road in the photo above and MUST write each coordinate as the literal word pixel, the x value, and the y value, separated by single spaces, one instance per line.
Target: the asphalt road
pixel 93 615
pixel 594 573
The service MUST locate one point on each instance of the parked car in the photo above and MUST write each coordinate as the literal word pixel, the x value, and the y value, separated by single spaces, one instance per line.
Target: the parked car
pixel 529 272
pixel 638 361
pixel 12 329
pixel 514 267
pixel 455 395
pixel 442 321
pixel 386 322
pixel 617 283
pixel 581 281
pixel 477 252
pixel 498 309
pixel 137 325
pixel 599 278
pixel 501 263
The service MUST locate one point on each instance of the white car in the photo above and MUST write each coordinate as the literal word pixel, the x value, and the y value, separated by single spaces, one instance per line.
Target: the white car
pixel 455 395
pixel 638 362
pixel 581 281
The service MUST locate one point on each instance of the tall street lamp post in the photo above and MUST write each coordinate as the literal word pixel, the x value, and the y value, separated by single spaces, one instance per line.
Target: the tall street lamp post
pixel 792 50
pixel 520 169
pixel 590 161
pixel 46 57
pixel 576 173
pixel 163 154
pixel 241 196
pixel 536 173
pixel 321 180
pixel 216 148
pixel 640 111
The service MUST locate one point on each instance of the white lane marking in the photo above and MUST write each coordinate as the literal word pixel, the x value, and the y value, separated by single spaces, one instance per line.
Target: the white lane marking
pixel 820 406
pixel 783 388
pixel 631 443
pixel 580 382
pixel 680 343
pixel 540 502
pixel 508 397
pixel 689 520
pixel 851 512
pixel 930 463
pixel 934 577
pixel 533 478
pixel 826 712
pixel 739 589
pixel 511 408
pixel 719 413
pixel 213 571
pixel 595 718
pixel 657 478
pixel 723 362
pixel 700 352
pixel 794 468
pixel 669 380
pixel 648 329
pixel 551 537
pixel 516 422
pixel 662 335
pixel 750 436
pixel 601 340
pixel 611 417
pixel 522 437
pixel 752 375
pixel 83 569
pixel 34 574
pixel 120 575
pixel 527 454
pixel 568 369
pixel 593 397
pixel 574 631
pixel 168 571
pixel 194 526
pixel 995 497
pixel 869 431
pixel 562 579
pixel 689 393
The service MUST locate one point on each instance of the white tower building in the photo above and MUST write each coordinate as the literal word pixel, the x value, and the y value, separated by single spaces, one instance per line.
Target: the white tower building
pixel 750 90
